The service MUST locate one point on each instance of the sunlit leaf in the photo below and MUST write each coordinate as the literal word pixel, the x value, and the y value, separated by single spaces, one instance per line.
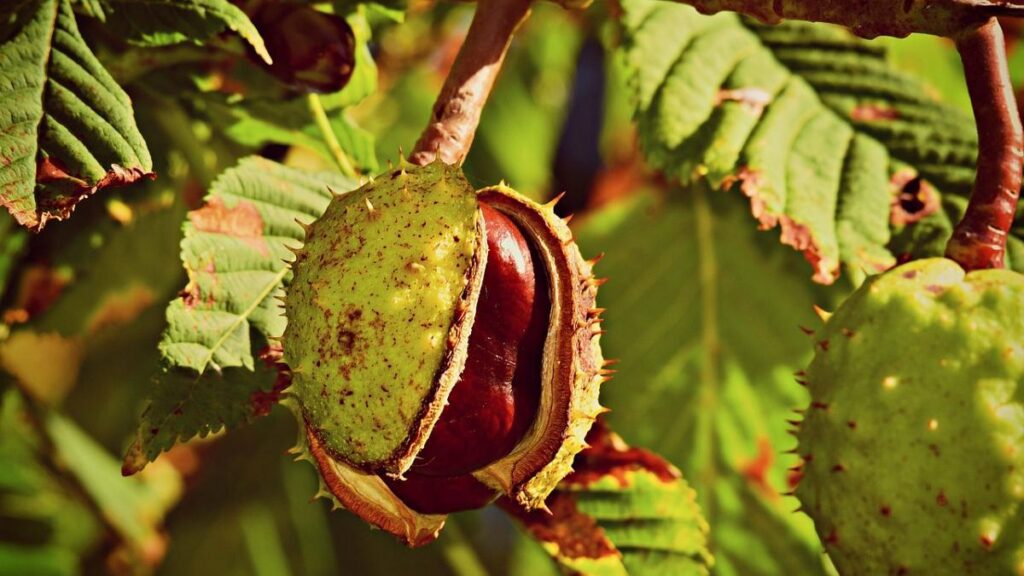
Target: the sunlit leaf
pixel 704 318
pixel 809 122
pixel 163 22
pixel 622 511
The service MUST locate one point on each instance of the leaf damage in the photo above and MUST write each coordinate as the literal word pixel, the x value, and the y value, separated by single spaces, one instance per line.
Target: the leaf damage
pixel 242 221
pixel 69 129
pixel 67 191
pixel 792 233
pixel 609 514
pixel 610 457
pixel 874 113
pixel 809 119
pixel 753 99
pixel 913 198
pixel 573 534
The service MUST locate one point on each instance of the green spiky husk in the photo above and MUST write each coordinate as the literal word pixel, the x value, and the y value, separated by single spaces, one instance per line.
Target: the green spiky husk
pixel 912 444
pixel 366 390
pixel 383 290
pixel 365 495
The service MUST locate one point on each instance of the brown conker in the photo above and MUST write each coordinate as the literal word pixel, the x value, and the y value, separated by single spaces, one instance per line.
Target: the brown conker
pixel 496 398
pixel 311 51
pixel 444 349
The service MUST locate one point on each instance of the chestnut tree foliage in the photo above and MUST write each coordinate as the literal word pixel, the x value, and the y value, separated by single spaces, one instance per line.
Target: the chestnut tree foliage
pixel 161 159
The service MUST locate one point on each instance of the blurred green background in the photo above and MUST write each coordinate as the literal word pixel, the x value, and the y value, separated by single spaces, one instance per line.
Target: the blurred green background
pixel 707 356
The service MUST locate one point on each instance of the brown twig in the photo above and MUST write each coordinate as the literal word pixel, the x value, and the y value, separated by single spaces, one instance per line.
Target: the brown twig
pixel 457 110
pixel 979 240
pixel 870 18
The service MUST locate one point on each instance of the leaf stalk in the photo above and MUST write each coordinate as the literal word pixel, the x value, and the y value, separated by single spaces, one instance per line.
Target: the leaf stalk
pixel 345 165
pixel 979 240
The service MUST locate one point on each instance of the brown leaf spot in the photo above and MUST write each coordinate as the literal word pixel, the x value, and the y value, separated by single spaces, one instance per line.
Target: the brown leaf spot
pixel 753 99
pixel 50 170
pixel 609 456
pixel 192 295
pixel 793 233
pixel 873 113
pixel 800 237
pixel 241 221
pixel 913 198
pixel 68 190
pixel 576 535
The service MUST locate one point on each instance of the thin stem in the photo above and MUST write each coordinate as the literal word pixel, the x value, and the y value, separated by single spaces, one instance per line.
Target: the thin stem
pixel 456 113
pixel 710 342
pixel 458 551
pixel 324 124
pixel 979 240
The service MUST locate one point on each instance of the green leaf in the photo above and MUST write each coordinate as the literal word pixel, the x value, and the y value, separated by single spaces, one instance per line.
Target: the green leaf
pixel 705 321
pixel 66 128
pixel 809 122
pixel 163 22
pixel 45 526
pixel 133 507
pixel 258 122
pixel 622 511
pixel 182 405
pixel 234 251
pixel 59 491
pixel 254 120
pixel 387 10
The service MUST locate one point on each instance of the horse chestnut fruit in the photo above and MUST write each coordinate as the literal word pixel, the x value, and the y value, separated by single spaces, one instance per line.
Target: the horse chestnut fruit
pixel 444 348
pixel 913 444
pixel 311 51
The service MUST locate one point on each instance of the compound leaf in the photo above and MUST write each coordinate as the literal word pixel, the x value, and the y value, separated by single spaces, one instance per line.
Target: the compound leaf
pixel 828 141
pixel 66 128
pixel 622 511
pixel 235 251
pixel 707 357
pixel 163 22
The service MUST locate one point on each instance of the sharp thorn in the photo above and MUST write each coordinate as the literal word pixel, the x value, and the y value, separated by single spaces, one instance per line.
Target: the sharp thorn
pixel 550 205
